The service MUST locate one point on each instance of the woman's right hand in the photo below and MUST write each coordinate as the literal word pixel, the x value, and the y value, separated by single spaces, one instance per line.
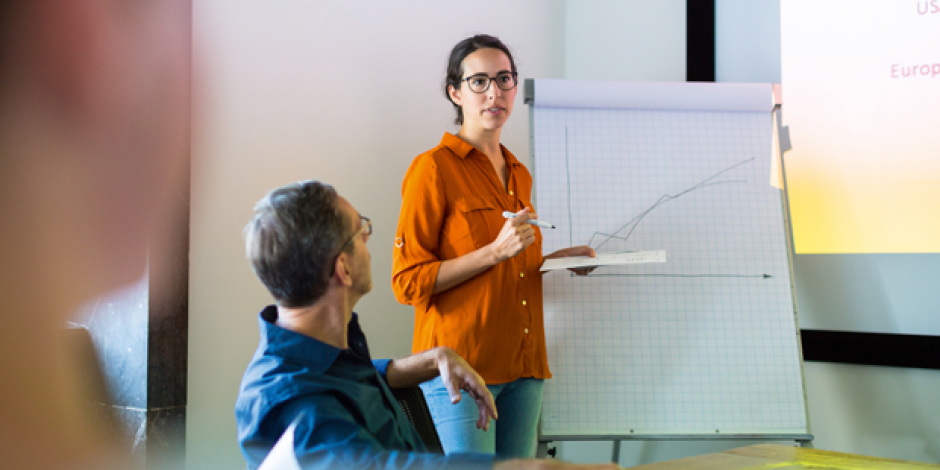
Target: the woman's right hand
pixel 515 236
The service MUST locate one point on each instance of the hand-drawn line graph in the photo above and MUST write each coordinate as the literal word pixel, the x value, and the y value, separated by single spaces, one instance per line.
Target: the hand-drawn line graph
pixel 634 222
pixel 703 342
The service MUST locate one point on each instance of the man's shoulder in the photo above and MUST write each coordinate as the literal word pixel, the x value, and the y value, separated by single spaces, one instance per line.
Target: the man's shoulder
pixel 269 384
pixel 268 380
pixel 271 379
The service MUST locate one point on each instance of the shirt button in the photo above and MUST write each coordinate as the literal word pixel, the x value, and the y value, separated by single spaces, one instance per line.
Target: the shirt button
pixel 526 331
pixel 523 302
pixel 511 193
pixel 521 274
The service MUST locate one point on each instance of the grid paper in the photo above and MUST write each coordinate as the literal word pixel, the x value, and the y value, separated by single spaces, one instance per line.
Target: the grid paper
pixel 705 343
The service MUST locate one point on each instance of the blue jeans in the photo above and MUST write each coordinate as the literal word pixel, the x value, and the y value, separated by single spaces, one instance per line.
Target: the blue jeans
pixel 513 435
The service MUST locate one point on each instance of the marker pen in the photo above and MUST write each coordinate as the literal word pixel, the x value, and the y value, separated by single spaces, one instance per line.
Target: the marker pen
pixel 536 222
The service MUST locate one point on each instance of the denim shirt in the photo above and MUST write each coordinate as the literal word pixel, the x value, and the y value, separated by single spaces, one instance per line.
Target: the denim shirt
pixel 346 415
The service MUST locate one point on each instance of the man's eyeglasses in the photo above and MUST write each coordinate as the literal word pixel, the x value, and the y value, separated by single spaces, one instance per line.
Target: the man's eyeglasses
pixel 480 82
pixel 365 229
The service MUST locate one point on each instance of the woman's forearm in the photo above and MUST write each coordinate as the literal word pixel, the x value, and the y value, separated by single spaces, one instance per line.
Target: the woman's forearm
pixel 514 237
pixel 454 272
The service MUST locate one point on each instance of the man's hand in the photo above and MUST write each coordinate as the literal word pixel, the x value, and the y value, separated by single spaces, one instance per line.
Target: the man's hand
pixel 582 250
pixel 457 375
pixel 548 464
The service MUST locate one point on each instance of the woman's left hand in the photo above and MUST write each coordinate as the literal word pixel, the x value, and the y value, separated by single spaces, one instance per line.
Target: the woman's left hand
pixel 582 250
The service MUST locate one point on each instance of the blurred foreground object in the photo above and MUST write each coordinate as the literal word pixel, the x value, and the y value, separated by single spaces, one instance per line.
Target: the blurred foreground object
pixel 94 124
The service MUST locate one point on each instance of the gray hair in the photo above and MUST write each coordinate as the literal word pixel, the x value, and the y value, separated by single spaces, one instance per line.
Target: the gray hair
pixel 292 239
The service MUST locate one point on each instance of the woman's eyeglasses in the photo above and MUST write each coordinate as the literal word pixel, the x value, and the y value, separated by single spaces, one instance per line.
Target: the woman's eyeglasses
pixel 480 82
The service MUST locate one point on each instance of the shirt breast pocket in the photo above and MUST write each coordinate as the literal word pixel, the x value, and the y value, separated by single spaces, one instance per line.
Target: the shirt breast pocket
pixel 474 224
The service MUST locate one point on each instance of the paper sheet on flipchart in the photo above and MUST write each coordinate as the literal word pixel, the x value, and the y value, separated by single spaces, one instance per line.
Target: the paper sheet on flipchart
pixel 705 343
pixel 604 259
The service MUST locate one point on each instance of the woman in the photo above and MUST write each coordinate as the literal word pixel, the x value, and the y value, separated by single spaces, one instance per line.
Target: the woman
pixel 471 274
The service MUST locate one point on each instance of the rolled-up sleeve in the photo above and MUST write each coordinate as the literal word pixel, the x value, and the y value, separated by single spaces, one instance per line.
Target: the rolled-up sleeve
pixel 415 262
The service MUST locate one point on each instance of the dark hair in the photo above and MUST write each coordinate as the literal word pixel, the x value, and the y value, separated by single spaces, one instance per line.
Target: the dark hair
pixel 292 238
pixel 455 63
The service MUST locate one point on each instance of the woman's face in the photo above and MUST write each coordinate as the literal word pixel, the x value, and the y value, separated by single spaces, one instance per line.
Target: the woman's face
pixel 490 109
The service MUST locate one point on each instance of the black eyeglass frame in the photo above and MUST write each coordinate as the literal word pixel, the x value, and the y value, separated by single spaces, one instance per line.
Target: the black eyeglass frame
pixel 490 80
pixel 364 229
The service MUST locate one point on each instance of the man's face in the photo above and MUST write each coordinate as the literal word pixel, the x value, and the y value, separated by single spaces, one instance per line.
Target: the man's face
pixel 359 263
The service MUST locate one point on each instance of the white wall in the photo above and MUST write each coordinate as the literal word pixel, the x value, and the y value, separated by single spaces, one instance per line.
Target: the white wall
pixel 747 41
pixel 346 92
pixel 638 40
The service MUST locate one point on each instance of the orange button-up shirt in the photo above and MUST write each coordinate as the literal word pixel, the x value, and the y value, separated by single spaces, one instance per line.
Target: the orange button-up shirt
pixel 452 204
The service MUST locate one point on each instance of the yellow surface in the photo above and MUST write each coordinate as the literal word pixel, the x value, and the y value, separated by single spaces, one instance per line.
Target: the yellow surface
pixel 773 456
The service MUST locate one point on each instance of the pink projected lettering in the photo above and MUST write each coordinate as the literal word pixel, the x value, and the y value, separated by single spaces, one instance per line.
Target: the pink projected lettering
pixel 899 71
pixel 929 7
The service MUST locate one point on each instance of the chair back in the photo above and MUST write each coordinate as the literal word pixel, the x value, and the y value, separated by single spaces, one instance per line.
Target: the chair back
pixel 415 406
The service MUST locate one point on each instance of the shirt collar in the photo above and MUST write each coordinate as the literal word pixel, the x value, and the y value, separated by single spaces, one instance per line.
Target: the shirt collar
pixel 298 348
pixel 462 149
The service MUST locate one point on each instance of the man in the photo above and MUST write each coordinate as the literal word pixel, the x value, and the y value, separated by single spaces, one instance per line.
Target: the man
pixel 312 367
pixel 94 113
